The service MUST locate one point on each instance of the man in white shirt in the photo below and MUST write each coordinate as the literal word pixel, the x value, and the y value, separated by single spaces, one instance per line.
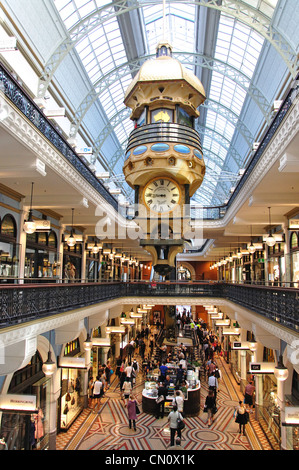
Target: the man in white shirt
pixel 178 400
pixel 213 384
pixel 97 389
pixel 128 371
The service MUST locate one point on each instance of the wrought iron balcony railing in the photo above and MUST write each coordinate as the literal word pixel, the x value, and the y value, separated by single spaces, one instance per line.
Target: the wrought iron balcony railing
pixel 22 303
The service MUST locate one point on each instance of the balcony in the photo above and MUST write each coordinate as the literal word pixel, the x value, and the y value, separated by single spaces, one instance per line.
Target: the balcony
pixel 22 303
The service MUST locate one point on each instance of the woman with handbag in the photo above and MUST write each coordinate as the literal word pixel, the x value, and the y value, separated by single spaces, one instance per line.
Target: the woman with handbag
pixel 210 406
pixel 133 410
pixel 173 418
pixel 242 417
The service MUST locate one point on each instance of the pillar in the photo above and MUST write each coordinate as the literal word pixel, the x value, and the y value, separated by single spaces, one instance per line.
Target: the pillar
pixel 22 250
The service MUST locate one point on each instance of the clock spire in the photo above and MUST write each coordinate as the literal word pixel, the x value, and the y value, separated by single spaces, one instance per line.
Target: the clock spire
pixel 164 160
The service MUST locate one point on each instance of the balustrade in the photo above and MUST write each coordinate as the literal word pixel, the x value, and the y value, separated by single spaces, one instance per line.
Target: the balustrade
pixel 25 302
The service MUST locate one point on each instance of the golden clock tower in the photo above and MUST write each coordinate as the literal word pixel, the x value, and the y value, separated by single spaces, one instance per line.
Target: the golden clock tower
pixel 164 161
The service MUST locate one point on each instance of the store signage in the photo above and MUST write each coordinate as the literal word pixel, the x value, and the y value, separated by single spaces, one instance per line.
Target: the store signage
pixel 293 224
pixel 261 367
pixel 231 331
pixel 240 345
pixel 72 362
pixel 43 225
pixel 8 44
pixel 101 342
pixel 225 322
pixel 15 402
pixel 291 416
pixel 84 150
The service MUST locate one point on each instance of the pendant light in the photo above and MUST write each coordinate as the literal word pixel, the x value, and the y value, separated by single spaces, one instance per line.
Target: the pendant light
pixel 88 342
pixel 95 249
pixel 29 225
pixel 251 247
pixel 71 240
pixel 270 240
pixel 281 372
pixel 49 366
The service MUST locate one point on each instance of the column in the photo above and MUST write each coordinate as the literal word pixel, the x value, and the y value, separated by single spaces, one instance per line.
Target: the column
pixel 60 253
pixel 259 395
pixel 21 240
pixel 287 253
pixel 83 260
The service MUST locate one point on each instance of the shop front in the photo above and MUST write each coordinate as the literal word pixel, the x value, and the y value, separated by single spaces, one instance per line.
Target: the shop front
pixel 295 258
pixel 276 265
pixel 9 249
pixel 71 402
pixel 25 409
pixel 267 410
pixel 41 257
pixel 72 262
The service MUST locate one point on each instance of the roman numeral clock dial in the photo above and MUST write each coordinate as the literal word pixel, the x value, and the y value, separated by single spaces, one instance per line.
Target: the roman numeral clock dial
pixel 161 195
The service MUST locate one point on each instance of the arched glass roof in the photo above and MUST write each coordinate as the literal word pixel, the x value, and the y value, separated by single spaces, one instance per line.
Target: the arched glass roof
pixel 223 44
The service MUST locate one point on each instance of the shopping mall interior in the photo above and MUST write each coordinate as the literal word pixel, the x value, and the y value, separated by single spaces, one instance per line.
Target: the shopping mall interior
pixel 149 212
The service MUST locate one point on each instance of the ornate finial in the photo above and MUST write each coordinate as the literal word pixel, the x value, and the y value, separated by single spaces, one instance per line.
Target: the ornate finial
pixel 164 49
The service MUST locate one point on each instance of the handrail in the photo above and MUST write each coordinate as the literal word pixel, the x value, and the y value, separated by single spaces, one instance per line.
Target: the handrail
pixel 25 302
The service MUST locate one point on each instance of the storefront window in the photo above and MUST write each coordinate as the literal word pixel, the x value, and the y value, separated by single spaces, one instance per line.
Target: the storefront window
pixel 24 430
pixel 9 249
pixel 295 259
pixel 72 260
pixel 41 258
pixel 72 379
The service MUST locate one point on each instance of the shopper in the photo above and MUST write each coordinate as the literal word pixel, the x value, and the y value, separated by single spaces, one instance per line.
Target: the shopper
pixel 131 406
pixel 90 391
pixel 242 417
pixel 97 390
pixel 178 400
pixel 213 384
pixel 248 396
pixel 160 401
pixel 180 375
pixel 173 424
pixel 127 389
pixel 210 406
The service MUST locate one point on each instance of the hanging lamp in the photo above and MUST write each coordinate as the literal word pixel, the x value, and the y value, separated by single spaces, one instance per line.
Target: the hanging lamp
pixel 270 240
pixel 49 366
pixel 251 247
pixel 29 225
pixel 71 241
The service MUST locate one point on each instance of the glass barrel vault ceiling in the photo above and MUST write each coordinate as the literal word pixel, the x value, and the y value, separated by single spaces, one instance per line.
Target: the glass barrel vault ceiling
pixel 237 48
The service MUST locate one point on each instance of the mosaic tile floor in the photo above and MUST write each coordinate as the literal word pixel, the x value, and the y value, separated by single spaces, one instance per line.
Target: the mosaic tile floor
pixel 108 429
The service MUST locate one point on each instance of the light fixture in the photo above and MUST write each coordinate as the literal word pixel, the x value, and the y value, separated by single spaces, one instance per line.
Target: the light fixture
pixel 49 366
pixel 270 240
pixel 96 248
pixel 29 225
pixel 88 342
pixel 253 345
pixel 251 247
pixel 280 371
pixel 71 241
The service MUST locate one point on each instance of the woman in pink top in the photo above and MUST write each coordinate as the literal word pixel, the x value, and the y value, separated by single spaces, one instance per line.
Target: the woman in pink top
pixel 132 411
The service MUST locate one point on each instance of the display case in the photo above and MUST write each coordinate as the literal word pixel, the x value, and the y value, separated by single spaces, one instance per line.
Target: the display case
pixel 191 404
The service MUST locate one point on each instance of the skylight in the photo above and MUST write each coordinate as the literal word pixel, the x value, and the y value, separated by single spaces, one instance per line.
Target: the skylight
pixel 239 46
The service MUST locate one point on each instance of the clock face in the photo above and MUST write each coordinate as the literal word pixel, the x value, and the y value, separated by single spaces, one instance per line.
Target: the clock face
pixel 161 195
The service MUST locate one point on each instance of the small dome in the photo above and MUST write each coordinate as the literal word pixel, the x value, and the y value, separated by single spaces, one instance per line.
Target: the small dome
pixel 165 68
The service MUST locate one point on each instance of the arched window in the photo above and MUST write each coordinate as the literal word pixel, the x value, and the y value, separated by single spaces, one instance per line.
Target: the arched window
pixel 294 240
pixel 52 240
pixel 9 226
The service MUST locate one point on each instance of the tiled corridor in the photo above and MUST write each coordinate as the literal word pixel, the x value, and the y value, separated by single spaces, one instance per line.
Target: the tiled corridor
pixel 108 429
